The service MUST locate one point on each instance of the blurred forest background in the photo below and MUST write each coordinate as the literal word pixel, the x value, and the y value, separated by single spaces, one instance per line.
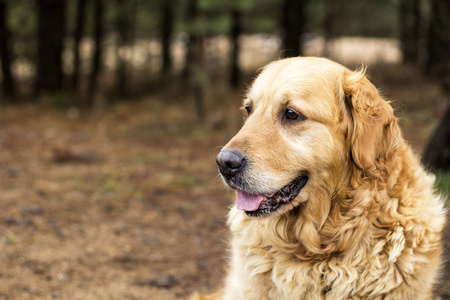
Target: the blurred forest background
pixel 112 111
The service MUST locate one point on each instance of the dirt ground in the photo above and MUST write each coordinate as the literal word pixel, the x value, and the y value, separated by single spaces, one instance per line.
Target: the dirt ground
pixel 126 203
pixel 123 206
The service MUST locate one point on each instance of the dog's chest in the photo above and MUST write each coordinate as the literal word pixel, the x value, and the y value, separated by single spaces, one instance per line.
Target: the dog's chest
pixel 261 269
pixel 259 273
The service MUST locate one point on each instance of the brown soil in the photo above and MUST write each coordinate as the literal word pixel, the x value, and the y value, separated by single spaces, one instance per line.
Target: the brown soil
pixel 123 206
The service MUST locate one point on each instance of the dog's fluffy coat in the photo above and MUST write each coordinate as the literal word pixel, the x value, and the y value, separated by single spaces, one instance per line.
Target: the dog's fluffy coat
pixel 367 225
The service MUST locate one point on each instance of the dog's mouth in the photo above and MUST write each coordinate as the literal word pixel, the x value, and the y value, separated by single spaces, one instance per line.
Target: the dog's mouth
pixel 259 205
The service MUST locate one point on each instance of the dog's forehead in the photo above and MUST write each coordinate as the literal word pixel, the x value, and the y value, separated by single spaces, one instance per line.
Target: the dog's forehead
pixel 312 81
pixel 296 75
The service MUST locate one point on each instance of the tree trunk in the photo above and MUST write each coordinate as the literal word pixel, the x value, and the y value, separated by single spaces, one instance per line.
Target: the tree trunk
pixel 79 30
pixel 437 151
pixel 8 84
pixel 293 20
pixel 200 77
pixel 195 74
pixel 122 30
pixel 236 30
pixel 167 31
pixel 410 30
pixel 51 24
pixel 438 64
pixel 97 57
pixel 192 42
pixel 329 23
pixel 125 30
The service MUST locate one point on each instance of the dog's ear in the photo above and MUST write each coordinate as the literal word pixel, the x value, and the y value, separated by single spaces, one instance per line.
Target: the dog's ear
pixel 374 129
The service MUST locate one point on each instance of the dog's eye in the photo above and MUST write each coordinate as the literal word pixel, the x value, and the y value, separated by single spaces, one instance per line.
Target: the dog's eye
pixel 246 110
pixel 292 115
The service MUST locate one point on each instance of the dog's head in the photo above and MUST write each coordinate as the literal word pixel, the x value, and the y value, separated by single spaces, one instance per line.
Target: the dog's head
pixel 310 123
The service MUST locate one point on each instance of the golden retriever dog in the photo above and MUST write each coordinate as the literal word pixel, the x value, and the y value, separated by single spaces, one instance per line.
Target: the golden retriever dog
pixel 331 201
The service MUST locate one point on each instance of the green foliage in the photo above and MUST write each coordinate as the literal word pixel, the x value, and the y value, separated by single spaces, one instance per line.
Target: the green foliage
pixel 443 182
pixel 61 99
pixel 367 18
pixel 71 13
pixel 355 18
pixel 147 18
pixel 220 25
pixel 22 21
pixel 213 18
pixel 262 16
pixel 264 25
pixel 210 5
pixel 244 5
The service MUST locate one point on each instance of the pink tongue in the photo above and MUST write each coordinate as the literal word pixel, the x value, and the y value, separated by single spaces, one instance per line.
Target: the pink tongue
pixel 248 202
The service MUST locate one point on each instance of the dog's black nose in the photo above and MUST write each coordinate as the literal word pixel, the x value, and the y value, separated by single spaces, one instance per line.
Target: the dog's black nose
pixel 230 162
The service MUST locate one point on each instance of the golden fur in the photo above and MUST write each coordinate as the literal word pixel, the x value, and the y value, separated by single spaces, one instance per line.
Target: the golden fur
pixel 368 223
